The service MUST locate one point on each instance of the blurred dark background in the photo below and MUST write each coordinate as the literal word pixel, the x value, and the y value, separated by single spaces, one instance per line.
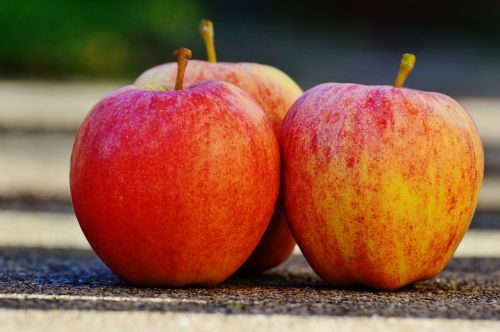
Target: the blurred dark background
pixel 457 43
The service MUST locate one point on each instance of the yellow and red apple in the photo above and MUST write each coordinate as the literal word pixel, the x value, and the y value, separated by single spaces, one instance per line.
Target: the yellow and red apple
pixel 380 183
pixel 175 187
pixel 274 91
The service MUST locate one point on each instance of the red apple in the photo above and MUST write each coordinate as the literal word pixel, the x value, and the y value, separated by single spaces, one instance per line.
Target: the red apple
pixel 274 91
pixel 175 187
pixel 380 183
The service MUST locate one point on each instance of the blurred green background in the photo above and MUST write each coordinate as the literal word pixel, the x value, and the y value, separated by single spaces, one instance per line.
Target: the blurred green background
pixel 457 43
pixel 59 38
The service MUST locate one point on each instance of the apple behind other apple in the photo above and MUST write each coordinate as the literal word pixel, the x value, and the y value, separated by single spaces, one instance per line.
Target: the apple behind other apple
pixel 272 89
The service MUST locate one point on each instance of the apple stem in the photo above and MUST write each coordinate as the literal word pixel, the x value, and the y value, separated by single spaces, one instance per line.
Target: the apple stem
pixel 207 33
pixel 182 55
pixel 405 68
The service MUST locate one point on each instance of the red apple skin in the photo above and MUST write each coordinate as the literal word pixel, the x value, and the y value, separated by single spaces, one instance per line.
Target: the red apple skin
pixel 272 89
pixel 275 92
pixel 379 183
pixel 174 188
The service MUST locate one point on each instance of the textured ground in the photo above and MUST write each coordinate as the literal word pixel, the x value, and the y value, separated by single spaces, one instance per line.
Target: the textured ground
pixel 40 278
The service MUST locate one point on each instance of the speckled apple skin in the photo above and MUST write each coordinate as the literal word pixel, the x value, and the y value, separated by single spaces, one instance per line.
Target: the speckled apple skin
pixel 275 92
pixel 174 188
pixel 380 184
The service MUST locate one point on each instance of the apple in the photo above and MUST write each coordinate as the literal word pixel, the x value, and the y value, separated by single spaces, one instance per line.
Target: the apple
pixel 380 183
pixel 175 187
pixel 274 91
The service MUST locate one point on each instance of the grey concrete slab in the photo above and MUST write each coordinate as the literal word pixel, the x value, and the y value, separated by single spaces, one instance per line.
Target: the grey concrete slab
pixel 38 120
pixel 51 229
pixel 49 106
pixel 61 106
pixel 36 165
pixel 90 320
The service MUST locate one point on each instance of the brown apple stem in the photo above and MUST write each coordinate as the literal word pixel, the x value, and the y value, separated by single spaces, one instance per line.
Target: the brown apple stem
pixel 182 55
pixel 207 33
pixel 405 68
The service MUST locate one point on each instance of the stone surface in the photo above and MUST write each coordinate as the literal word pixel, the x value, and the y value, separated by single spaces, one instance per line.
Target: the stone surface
pixel 36 165
pixel 41 278
pixel 48 106
pixel 59 229
pixel 90 320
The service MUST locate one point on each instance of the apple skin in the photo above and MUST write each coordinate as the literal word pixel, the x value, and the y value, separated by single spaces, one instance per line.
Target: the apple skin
pixel 175 188
pixel 275 92
pixel 274 247
pixel 379 184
